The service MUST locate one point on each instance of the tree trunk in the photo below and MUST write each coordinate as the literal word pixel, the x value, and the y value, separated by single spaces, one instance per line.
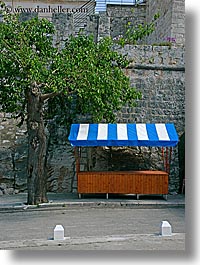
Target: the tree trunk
pixel 37 145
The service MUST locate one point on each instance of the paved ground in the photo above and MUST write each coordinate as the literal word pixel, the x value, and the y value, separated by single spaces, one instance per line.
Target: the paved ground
pixel 92 224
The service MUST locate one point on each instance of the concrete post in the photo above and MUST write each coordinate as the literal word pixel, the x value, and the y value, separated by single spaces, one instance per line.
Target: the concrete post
pixel 165 229
pixel 59 232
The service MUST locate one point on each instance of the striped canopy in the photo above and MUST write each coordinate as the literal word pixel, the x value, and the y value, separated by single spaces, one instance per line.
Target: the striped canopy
pixel 121 134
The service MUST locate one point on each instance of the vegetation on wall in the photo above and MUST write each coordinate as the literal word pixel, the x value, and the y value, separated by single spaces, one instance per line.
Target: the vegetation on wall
pixel 134 34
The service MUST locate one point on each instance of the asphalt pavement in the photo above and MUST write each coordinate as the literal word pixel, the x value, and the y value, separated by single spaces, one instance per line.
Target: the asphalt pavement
pixel 92 223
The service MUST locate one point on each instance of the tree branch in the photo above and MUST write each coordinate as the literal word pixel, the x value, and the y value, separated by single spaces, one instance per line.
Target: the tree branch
pixel 49 95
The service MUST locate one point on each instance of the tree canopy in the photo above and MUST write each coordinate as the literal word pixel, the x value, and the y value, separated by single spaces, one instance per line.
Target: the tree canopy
pixel 89 74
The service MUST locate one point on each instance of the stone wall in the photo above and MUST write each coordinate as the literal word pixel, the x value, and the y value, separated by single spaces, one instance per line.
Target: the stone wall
pixel 178 21
pixel 60 160
pixel 156 71
pixel 170 27
pixel 13 153
pixel 120 15
pixel 171 24
pixel 13 157
pixel 159 73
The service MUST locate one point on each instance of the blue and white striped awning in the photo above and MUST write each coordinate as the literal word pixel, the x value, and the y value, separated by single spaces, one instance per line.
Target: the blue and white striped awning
pixel 121 134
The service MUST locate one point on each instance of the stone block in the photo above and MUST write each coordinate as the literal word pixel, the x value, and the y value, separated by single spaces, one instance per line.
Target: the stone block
pixel 59 232
pixel 165 228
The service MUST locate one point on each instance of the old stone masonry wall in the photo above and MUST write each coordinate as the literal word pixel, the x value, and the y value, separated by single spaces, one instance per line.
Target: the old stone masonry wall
pixel 169 27
pixel 156 71
pixel 159 73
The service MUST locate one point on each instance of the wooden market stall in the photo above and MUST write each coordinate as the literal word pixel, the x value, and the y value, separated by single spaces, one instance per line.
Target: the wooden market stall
pixel 123 182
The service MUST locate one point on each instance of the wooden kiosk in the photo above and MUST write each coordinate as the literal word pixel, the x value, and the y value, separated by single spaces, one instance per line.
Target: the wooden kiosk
pixel 123 182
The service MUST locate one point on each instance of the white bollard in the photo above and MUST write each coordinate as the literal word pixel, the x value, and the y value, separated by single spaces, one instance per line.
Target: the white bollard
pixel 59 232
pixel 165 228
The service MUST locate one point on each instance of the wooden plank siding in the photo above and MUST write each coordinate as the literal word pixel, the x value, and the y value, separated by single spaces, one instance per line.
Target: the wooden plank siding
pixel 123 182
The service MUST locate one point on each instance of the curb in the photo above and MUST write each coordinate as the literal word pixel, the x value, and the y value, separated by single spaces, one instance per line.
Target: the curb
pixel 99 204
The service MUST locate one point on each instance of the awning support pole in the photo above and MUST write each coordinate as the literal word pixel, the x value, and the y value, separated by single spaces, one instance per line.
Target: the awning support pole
pixel 168 156
pixel 77 159
pixel 166 161
pixel 163 157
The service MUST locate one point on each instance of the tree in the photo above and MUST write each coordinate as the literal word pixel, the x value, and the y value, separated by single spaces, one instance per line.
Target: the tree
pixel 38 80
